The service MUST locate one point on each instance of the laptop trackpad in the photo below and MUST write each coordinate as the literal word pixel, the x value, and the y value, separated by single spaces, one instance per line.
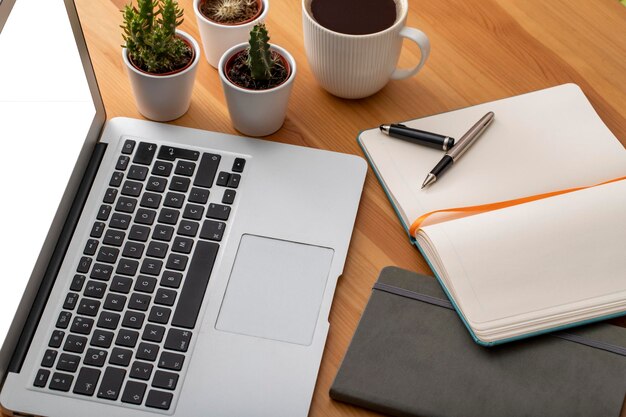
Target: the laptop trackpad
pixel 275 289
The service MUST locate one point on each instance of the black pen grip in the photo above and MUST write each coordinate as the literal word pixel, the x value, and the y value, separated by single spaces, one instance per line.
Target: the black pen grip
pixel 445 163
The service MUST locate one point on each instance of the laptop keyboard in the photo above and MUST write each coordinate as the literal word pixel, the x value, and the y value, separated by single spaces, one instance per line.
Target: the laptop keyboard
pixel 126 322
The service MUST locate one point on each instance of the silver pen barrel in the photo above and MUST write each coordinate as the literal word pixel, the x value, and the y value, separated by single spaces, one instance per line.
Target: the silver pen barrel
pixel 470 136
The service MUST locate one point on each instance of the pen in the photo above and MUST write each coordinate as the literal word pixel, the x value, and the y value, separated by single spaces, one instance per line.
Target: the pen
pixel 420 137
pixel 462 145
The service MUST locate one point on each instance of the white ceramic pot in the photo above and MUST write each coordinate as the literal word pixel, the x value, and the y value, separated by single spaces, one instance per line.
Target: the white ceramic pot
pixel 163 97
pixel 218 38
pixel 257 112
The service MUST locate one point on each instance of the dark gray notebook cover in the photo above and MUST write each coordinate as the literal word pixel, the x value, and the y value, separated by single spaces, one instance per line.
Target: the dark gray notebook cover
pixel 415 358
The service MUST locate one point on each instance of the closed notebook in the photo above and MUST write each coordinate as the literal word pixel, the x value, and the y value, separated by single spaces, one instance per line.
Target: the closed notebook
pixel 526 231
pixel 411 356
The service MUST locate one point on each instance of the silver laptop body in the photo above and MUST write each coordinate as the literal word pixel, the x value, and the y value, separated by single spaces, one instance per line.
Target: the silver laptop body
pixel 256 336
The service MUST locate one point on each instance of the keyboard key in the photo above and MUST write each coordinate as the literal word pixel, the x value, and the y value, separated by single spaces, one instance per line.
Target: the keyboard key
pixel 95 357
pixel 165 297
pixel 49 358
pixel 222 179
pixel 163 232
pixel 170 153
pixel 147 351
pixel 159 399
pixel 172 361
pixel 101 338
pixel 120 356
pixel 116 179
pixel 199 195
pixel 180 184
pixel 121 284
pixel 41 378
pixel 133 250
pixel 150 200
pixel 127 338
pixel 197 279
pixel 70 301
pixel 145 216
pixel 132 188
pixel 188 228
pixel 129 147
pixel 75 344
pixel 145 153
pixel 156 184
pixel 217 211
pixel 163 169
pixel 139 233
pixel 151 266
pixel 145 284
pixel 110 195
pixel 68 362
pixel 171 279
pixel 229 197
pixel 88 307
pixel 81 325
pixel 104 212
pixel 64 319
pixel 122 163
pixel 174 200
pixel 185 168
pixel 84 264
pixel 213 230
pixel 115 302
pixel 159 315
pixel 137 172
pixel 56 339
pixel 86 381
pixel 177 262
pixel 139 302
pixel 153 333
pixel 95 289
pixel 165 380
pixel 77 282
pixel 178 339
pixel 233 181
pixel 182 245
pixel 108 320
pixel 126 204
pixel 97 229
pixel 61 382
pixel 157 249
pixel 111 383
pixel 127 267
pixel 133 319
pixel 120 221
pixel 207 170
pixel 134 392
pixel 114 237
pixel 193 212
pixel 239 164
pixel 102 272
pixel 168 216
pixel 141 370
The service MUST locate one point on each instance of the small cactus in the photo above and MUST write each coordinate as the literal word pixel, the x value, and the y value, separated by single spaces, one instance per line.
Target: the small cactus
pixel 230 11
pixel 260 60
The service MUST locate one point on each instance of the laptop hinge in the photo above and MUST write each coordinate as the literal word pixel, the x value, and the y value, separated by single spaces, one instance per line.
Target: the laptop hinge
pixel 26 337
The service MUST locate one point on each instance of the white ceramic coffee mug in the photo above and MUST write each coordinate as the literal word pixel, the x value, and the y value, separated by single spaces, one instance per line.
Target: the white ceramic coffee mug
pixel 357 66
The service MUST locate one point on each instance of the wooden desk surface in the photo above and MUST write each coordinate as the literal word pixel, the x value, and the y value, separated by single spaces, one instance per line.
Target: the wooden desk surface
pixel 481 50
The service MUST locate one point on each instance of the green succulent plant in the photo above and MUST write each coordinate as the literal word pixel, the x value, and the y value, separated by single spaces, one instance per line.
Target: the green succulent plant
pixel 260 59
pixel 150 36
pixel 231 11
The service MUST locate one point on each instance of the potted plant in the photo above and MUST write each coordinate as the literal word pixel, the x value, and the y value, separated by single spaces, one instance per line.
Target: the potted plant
pixel 225 23
pixel 257 79
pixel 161 61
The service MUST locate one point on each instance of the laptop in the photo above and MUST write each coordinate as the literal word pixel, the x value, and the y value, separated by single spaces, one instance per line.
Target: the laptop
pixel 150 269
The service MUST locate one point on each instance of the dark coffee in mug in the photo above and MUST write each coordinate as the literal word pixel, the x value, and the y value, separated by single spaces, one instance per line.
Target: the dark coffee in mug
pixel 355 17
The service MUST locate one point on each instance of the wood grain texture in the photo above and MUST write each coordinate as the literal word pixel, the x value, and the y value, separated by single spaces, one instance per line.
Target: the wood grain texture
pixel 482 50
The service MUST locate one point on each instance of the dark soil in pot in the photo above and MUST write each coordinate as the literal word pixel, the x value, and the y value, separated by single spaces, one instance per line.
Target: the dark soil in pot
pixel 239 74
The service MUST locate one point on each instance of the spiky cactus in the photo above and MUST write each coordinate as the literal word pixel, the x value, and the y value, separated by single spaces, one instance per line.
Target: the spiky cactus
pixel 230 11
pixel 150 35
pixel 260 60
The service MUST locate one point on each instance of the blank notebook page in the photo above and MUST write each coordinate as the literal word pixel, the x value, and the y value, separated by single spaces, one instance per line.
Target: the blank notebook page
pixel 539 259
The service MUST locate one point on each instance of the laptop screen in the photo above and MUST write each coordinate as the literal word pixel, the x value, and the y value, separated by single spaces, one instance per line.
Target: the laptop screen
pixel 46 111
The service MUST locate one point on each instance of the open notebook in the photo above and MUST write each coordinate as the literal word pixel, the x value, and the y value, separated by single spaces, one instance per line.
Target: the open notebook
pixel 532 266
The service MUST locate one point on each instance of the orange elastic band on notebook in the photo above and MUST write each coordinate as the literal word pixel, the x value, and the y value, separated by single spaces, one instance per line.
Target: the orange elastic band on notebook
pixel 502 204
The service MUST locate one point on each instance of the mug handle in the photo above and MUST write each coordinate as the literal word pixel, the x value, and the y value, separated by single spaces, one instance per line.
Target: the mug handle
pixel 422 41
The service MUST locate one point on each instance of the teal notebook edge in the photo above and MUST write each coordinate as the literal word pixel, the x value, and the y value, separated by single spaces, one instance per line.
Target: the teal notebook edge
pixel 413 241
